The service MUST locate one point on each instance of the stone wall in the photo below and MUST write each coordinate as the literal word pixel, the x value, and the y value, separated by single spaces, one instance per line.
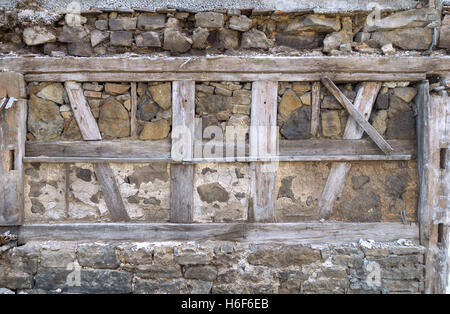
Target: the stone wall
pixel 232 31
pixel 212 267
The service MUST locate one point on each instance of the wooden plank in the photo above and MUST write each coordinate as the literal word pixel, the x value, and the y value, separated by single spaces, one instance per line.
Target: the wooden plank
pixel 133 121
pixel 315 108
pixel 89 131
pixel 82 112
pixel 300 233
pixel 111 192
pixel 309 64
pixel 13 85
pixel 159 151
pixel 429 175
pixel 364 101
pixel 357 116
pixel 12 150
pixel 263 144
pixel 341 77
pixel 182 176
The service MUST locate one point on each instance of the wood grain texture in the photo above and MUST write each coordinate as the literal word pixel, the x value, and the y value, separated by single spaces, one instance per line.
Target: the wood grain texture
pixel 357 116
pixel 111 192
pixel 182 176
pixel 12 150
pixel 364 102
pixel 299 233
pixel 269 64
pixel 133 119
pixel 263 144
pixel 340 77
pixel 315 109
pixel 13 85
pixel 82 112
pixel 159 151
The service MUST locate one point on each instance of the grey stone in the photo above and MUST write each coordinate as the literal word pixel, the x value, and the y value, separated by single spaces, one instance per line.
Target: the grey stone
pixel 147 108
pixel 286 188
pixel 444 37
pixel 255 39
pixel 213 192
pixel 121 38
pixel 97 37
pixel 406 39
pixel 287 255
pixel 191 257
pixel 122 24
pixel 302 41
pixel 200 38
pixel 58 257
pixel 72 34
pixel 404 19
pixel 98 256
pixel 382 101
pixel 397 183
pixel 209 19
pixel 365 206
pixel 80 49
pixel 401 123
pixel 151 21
pixel 316 23
pixel 211 104
pixel 240 23
pixel 37 35
pixel 330 102
pixel 175 41
pixel 44 119
pixel 148 39
pixel 359 181
pixel 101 25
pixel 158 271
pixel 298 125
pixel 205 273
pixel 92 281
pixel 144 286
pixel 199 286
pixel 228 39
pixel 6 291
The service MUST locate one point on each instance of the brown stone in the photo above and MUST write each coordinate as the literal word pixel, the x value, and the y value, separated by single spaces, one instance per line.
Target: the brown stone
pixel 229 39
pixel 407 39
pixel 331 124
pixel 175 41
pixel 213 192
pixel 307 40
pixel 288 104
pixel 121 38
pixel 162 94
pixel 44 119
pixel 116 89
pixel 406 94
pixel 155 130
pixel 255 39
pixel 316 23
pixel 53 92
pixel 148 39
pixel 113 119
pixel 92 94
pixel 240 23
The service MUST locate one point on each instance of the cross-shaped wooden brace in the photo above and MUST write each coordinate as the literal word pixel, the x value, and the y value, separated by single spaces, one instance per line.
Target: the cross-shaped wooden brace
pixel 359 118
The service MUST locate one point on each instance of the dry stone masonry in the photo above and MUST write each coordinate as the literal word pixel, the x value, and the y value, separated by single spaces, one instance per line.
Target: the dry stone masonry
pixel 212 267
pixel 172 31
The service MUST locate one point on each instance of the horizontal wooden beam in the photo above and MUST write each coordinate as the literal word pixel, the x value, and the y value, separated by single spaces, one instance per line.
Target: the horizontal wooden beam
pixel 159 151
pixel 258 64
pixel 302 233
pixel 221 76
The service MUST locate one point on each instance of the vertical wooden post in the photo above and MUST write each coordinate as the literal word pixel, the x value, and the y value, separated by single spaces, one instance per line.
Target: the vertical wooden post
pixel 12 149
pixel 133 121
pixel 367 94
pixel 182 175
pixel 433 180
pixel 263 145
pixel 315 108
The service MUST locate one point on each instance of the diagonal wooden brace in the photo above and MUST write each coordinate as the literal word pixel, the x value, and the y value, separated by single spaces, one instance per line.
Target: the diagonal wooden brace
pixel 355 114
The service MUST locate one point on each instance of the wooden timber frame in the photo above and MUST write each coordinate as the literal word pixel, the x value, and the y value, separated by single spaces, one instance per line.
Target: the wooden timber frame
pixel 433 138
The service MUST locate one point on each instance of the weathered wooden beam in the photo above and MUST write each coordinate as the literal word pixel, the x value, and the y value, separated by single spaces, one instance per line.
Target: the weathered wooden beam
pixel 357 116
pixel 340 77
pixel 159 151
pixel 263 144
pixel 133 120
pixel 364 101
pixel 315 108
pixel 82 112
pixel 182 176
pixel 90 132
pixel 362 64
pixel 300 233
pixel 12 150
